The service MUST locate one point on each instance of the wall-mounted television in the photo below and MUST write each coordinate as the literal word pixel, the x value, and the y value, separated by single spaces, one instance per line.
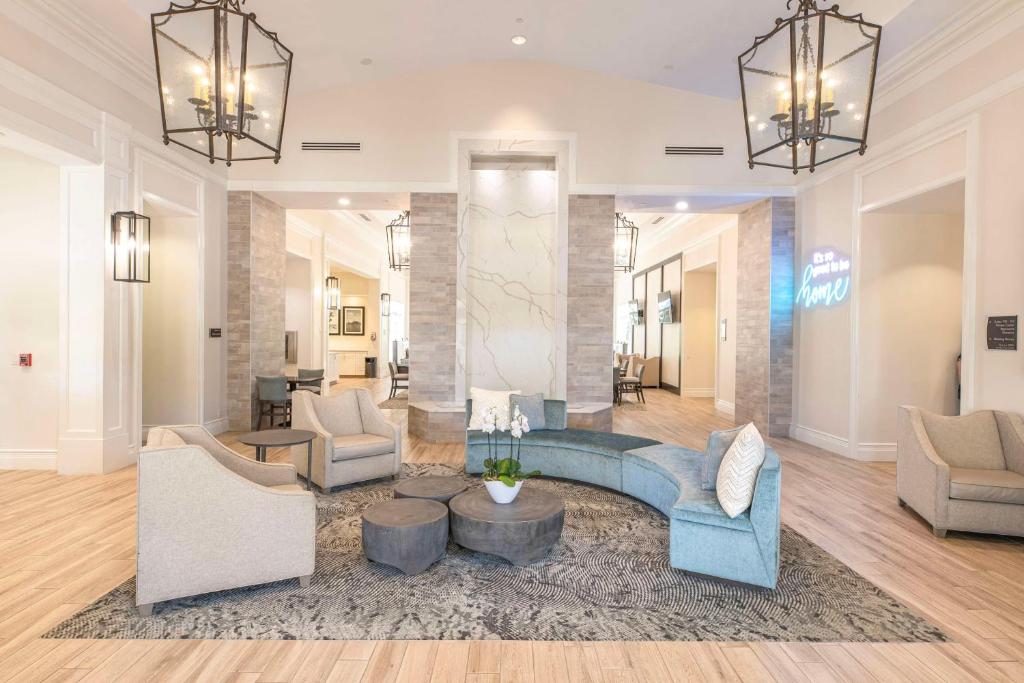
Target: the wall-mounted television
pixel 665 308
pixel 636 314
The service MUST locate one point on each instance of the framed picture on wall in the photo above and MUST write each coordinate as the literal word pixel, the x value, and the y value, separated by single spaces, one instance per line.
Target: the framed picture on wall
pixel 333 321
pixel 353 319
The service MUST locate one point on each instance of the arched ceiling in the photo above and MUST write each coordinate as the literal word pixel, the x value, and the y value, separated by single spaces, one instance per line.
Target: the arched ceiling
pixel 686 44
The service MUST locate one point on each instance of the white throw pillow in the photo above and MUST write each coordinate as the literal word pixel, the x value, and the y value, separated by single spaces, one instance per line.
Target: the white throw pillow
pixel 484 399
pixel 738 474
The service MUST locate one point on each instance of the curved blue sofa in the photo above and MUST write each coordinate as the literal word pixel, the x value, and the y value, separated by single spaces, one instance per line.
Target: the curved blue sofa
pixel 677 481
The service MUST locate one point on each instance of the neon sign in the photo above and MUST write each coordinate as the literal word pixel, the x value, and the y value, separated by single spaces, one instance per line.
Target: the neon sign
pixel 826 280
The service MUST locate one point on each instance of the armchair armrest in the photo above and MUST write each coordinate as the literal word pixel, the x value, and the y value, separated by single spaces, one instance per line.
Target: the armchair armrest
pixel 373 418
pixel 263 473
pixel 1011 431
pixel 922 477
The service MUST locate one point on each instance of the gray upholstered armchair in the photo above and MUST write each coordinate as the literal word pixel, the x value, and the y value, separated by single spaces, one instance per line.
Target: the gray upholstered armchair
pixel 962 473
pixel 354 441
pixel 210 519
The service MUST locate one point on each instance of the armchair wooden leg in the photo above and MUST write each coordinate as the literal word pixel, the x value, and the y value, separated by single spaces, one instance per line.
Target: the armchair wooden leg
pixel 146 610
pixel 939 533
pixel 304 581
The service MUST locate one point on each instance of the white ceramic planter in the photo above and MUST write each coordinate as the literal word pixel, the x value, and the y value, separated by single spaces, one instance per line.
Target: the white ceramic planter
pixel 502 494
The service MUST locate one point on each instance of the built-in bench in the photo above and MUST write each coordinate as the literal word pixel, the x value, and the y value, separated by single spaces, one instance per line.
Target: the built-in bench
pixel 702 537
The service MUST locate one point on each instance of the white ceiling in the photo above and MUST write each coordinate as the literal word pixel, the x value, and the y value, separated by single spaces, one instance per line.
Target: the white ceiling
pixel 687 45
pixel 391 202
pixel 948 199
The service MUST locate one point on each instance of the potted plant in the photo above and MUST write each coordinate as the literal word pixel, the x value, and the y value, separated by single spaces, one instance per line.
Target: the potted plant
pixel 504 477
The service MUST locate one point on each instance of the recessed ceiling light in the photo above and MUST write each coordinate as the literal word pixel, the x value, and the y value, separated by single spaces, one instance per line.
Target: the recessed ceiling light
pixel 344 201
pixel 682 206
pixel 519 40
pixel 668 67
pixel 366 61
pixel 519 20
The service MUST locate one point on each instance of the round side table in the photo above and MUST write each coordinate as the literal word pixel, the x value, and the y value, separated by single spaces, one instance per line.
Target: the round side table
pixel 279 438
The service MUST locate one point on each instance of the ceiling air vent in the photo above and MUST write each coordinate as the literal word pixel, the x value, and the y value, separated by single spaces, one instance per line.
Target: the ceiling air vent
pixel 365 218
pixel 676 151
pixel 332 146
pixel 657 220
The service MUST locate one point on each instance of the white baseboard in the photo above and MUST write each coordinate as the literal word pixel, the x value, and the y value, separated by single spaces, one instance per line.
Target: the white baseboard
pixel 35 459
pixel 876 452
pixel 823 440
pixel 725 407
pixel 699 393
pixel 217 426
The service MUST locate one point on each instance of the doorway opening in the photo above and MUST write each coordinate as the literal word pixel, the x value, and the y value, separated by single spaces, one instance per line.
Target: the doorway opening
pixel 700 336
pixel 910 311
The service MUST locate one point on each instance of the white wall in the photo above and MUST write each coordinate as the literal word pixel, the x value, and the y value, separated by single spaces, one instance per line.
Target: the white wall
pixel 170 323
pixel 358 291
pixel 29 280
pixel 298 307
pixel 699 333
pixel 910 318
pixel 726 282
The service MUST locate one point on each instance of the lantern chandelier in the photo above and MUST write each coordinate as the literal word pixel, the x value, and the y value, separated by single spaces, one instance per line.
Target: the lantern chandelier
pixel 626 237
pixel 807 88
pixel 223 81
pixel 399 242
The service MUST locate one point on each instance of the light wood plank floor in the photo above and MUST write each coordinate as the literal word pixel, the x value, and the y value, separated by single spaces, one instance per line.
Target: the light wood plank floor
pixel 65 541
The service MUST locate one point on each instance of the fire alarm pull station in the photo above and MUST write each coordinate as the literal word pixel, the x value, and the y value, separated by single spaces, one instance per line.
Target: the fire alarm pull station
pixel 25 360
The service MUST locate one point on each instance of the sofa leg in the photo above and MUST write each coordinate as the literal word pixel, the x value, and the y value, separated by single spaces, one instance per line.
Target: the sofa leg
pixel 902 502
pixel 304 581
pixel 939 533
pixel 146 610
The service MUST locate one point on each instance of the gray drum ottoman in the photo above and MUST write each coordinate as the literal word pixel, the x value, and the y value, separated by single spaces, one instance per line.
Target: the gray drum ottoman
pixel 407 533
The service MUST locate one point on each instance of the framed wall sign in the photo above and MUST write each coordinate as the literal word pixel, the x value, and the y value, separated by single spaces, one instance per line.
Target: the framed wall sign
pixel 1002 333
pixel 353 320
pixel 333 321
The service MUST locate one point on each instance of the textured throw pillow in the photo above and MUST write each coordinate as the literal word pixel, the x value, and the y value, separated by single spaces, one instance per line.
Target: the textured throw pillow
pixel 718 444
pixel 484 399
pixel 161 437
pixel 532 407
pixel 738 474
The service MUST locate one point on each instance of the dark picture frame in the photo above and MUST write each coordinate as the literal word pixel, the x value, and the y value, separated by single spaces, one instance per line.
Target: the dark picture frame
pixel 333 322
pixel 353 321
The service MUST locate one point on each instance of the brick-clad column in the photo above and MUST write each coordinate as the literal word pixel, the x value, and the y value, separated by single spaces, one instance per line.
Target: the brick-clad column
pixel 590 298
pixel 764 313
pixel 432 300
pixel 255 322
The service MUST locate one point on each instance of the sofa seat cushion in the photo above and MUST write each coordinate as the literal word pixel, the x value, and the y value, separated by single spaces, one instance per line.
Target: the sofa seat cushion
pixel 353 446
pixel 990 486
pixel 604 443
pixel 694 504
pixel 287 487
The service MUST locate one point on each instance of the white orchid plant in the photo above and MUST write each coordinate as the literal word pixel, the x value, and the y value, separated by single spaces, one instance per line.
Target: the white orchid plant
pixel 508 471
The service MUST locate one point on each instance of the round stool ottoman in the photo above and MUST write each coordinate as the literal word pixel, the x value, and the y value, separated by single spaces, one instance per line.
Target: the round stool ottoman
pixel 407 533
pixel 441 489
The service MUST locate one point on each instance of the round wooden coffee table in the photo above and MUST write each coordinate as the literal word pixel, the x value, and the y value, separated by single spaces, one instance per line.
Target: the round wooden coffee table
pixel 521 532
pixel 441 489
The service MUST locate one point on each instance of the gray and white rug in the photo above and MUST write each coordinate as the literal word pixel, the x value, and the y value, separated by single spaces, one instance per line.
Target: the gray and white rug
pixel 400 402
pixel 609 579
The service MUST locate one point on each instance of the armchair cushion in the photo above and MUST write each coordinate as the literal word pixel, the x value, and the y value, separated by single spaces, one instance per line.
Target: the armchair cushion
pixel 352 446
pixel 991 486
pixel 340 414
pixel 967 441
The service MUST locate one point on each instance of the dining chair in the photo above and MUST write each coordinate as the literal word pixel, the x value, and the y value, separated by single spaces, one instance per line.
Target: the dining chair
pixel 272 393
pixel 396 378
pixel 633 385
pixel 310 380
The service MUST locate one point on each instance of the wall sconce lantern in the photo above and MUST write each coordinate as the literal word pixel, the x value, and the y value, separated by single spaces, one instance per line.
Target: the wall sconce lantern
pixel 385 305
pixel 223 80
pixel 399 242
pixel 129 233
pixel 807 88
pixel 333 293
pixel 626 237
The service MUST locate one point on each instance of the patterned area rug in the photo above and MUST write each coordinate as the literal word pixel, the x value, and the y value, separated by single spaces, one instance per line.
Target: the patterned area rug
pixel 400 402
pixel 608 579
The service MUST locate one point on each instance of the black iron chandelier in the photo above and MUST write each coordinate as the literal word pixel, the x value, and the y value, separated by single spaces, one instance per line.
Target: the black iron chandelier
pixel 399 241
pixel 807 88
pixel 626 237
pixel 223 81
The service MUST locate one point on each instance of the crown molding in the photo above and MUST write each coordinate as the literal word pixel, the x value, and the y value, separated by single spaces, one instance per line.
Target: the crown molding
pixel 966 33
pixel 72 30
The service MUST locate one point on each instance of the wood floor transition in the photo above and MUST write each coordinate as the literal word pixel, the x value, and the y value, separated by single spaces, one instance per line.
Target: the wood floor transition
pixel 65 541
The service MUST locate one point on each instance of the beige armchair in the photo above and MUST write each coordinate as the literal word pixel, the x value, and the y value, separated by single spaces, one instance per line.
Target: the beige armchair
pixel 354 441
pixel 210 519
pixel 962 473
